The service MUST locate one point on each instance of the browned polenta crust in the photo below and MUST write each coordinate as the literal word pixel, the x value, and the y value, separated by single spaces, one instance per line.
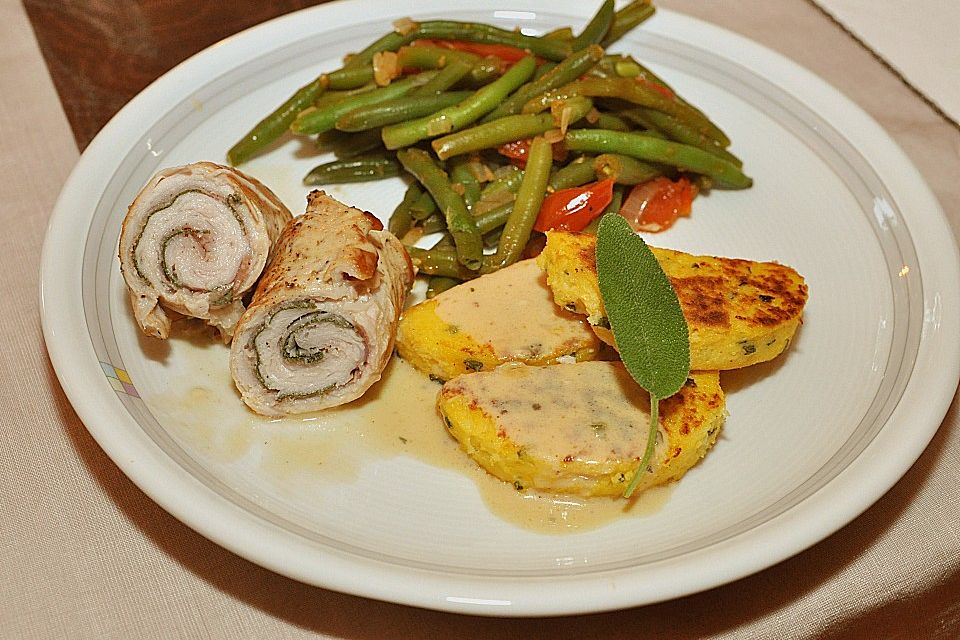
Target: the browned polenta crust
pixel 739 312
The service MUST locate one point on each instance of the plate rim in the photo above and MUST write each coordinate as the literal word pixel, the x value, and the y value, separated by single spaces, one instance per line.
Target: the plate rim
pixel 90 395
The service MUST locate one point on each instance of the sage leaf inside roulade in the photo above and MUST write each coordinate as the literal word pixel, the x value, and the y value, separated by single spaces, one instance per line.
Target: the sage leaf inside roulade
pixel 323 319
pixel 194 241
pixel 292 349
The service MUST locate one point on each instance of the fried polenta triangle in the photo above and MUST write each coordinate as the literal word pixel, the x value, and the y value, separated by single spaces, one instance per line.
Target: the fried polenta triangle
pixel 739 312
pixel 579 428
pixel 506 316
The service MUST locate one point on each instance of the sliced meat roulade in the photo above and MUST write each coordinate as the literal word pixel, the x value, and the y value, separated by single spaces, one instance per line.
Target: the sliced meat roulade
pixel 194 241
pixel 323 319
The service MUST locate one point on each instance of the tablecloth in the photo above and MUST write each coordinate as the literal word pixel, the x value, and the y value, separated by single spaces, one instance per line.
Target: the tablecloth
pixel 917 39
pixel 84 554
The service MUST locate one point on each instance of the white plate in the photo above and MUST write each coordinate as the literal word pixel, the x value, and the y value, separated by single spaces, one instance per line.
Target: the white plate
pixel 811 441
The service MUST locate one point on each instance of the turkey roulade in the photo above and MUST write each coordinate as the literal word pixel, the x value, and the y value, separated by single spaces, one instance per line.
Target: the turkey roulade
pixel 194 241
pixel 322 322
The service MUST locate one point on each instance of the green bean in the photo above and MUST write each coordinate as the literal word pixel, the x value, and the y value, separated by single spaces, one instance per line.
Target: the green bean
pixel 350 78
pixel 492 239
pixel 439 284
pixel 458 116
pixel 628 67
pixel 330 97
pixel 626 19
pixel 275 124
pixel 499 192
pixel 317 120
pixel 356 72
pixel 494 218
pixel 459 222
pixel 431 57
pixel 702 182
pixel 610 121
pixel 578 106
pixel 545 67
pixel 516 232
pixel 401 221
pixel 424 207
pixel 616 202
pixel 498 199
pixel 445 242
pixel 461 174
pixel 489 224
pixel 565 72
pixel 433 223
pixel 631 91
pixel 606 67
pixel 509 180
pixel 549 48
pixel 676 130
pixel 597 28
pixel 329 140
pixel 624 169
pixel 357 69
pixel 644 147
pixel 441 261
pixel 508 129
pixel 577 172
pixel 450 75
pixel 560 33
pixel 482 70
pixel 362 169
pixel 390 41
pixel 492 134
pixel 356 144
pixel 397 110
pixel 638 115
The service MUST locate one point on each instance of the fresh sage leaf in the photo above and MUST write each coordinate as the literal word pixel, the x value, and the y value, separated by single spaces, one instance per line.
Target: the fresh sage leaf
pixel 645 316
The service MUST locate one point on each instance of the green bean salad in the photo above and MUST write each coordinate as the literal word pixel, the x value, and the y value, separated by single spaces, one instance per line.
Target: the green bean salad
pixel 503 135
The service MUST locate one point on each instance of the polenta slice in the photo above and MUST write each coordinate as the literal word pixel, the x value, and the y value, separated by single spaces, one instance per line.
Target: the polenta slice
pixel 739 312
pixel 579 428
pixel 506 316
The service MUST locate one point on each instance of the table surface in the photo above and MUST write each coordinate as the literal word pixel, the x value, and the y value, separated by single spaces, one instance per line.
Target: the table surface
pixel 86 554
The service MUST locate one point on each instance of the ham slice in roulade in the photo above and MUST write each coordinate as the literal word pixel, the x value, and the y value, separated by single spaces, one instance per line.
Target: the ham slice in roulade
pixel 194 241
pixel 321 326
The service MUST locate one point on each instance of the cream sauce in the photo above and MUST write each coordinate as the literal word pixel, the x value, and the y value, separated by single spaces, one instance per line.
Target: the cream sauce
pixel 513 310
pixel 396 417
pixel 588 411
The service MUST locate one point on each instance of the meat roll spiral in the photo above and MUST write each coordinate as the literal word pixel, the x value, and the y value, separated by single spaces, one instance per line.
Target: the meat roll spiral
pixel 194 241
pixel 323 319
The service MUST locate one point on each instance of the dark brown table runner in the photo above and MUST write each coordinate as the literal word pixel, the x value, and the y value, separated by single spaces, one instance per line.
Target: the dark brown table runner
pixel 101 53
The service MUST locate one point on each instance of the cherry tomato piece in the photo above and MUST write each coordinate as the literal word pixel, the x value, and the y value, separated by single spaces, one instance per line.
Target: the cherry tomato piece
pixel 516 151
pixel 573 209
pixel 656 204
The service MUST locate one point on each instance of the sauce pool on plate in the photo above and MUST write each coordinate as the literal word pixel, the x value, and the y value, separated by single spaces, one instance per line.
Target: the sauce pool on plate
pixel 397 417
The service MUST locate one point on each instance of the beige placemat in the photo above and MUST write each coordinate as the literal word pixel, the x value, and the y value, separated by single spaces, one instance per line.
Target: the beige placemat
pixel 918 39
pixel 84 554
